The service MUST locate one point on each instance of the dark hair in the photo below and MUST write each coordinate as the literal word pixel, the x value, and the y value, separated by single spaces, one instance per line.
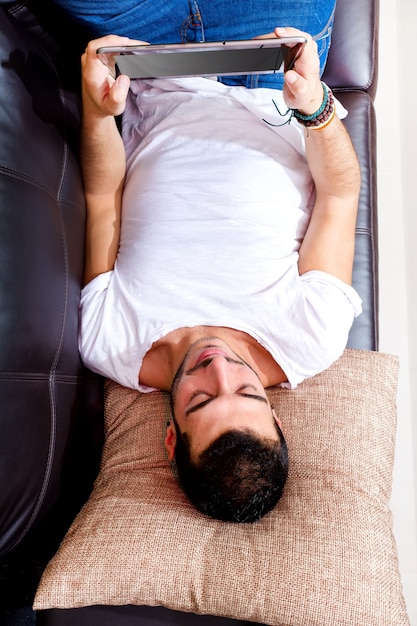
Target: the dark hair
pixel 239 478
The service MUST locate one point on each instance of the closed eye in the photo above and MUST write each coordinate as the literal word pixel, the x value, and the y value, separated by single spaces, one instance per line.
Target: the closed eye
pixel 197 394
pixel 200 405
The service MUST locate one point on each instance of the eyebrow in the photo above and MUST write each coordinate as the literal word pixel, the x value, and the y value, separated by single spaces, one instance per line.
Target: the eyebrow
pixel 206 402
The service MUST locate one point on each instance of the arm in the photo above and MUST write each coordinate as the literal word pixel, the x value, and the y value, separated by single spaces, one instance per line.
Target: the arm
pixel 328 244
pixel 102 157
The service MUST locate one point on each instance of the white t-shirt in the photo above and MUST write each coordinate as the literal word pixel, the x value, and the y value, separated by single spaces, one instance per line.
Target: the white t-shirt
pixel 215 207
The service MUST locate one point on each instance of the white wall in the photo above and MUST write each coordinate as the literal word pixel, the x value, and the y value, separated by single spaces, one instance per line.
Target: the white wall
pixel 397 199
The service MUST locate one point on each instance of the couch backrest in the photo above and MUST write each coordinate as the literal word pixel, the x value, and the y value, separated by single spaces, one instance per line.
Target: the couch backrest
pixel 45 393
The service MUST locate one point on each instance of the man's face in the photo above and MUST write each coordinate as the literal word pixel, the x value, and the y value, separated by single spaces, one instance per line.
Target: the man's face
pixel 214 391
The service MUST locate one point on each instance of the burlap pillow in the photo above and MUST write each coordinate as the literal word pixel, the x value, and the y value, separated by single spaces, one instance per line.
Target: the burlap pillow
pixel 326 554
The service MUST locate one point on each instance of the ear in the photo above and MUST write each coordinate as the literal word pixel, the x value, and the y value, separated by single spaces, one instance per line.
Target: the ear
pixel 276 419
pixel 170 441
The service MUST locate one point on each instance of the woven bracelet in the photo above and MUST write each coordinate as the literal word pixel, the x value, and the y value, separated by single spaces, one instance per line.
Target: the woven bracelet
pixel 323 116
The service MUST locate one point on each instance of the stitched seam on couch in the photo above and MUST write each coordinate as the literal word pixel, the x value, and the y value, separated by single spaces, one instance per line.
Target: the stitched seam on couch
pixel 360 230
pixel 24 178
pixel 30 377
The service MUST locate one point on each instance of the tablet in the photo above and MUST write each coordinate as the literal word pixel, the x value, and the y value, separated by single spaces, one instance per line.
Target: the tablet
pixel 222 58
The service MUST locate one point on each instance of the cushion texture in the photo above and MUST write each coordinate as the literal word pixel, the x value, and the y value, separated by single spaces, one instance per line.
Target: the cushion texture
pixel 324 556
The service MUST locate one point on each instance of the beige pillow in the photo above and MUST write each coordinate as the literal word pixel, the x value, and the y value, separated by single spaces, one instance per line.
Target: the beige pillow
pixel 324 556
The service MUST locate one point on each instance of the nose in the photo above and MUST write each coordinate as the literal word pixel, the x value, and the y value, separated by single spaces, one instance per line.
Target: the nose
pixel 221 371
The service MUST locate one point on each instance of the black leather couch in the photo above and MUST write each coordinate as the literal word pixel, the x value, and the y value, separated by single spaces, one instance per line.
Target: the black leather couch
pixel 51 407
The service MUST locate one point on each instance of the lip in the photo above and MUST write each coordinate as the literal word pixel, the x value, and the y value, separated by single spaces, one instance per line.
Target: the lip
pixel 208 352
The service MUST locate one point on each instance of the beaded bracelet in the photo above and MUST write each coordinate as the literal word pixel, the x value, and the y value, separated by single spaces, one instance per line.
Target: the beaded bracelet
pixel 323 116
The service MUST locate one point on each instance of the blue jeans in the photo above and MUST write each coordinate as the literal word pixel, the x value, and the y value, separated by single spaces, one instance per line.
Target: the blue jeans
pixel 173 21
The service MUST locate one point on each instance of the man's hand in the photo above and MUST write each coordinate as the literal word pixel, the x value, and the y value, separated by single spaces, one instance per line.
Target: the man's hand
pixel 103 93
pixel 302 88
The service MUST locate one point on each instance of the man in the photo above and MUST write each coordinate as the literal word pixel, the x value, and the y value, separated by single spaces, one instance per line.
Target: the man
pixel 227 270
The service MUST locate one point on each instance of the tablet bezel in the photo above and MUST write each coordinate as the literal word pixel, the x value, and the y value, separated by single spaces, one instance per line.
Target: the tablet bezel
pixel 252 56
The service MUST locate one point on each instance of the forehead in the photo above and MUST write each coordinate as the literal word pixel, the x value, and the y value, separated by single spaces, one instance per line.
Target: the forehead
pixel 205 426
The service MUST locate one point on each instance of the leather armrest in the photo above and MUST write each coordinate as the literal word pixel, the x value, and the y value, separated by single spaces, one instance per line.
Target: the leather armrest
pixel 353 57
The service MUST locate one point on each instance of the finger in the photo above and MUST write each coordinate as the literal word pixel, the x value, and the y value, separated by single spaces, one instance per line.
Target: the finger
pixel 284 31
pixel 297 89
pixel 300 93
pixel 113 40
pixel 310 47
pixel 289 31
pixel 118 94
pixel 90 54
pixel 267 36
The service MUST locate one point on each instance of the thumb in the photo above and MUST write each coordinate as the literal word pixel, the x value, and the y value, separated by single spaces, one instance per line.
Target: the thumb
pixel 121 87
pixel 293 84
pixel 291 77
pixel 118 93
